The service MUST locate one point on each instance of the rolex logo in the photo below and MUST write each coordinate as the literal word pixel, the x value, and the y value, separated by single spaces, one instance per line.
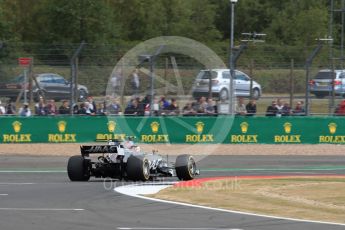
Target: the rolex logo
pixel 155 126
pixel 332 127
pixel 62 126
pixel 244 127
pixel 17 126
pixel 111 126
pixel 287 127
pixel 199 126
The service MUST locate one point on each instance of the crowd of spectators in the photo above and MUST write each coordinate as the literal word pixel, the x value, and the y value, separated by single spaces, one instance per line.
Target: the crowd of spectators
pixel 241 109
pixel 111 106
pixel 340 110
pixel 8 109
pixel 280 108
pixel 161 106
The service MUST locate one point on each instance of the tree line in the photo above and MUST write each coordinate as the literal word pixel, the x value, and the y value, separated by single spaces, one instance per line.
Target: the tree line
pixel 286 22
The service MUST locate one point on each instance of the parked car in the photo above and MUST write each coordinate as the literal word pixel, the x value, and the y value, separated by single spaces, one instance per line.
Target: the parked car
pixel 321 85
pixel 221 83
pixel 51 86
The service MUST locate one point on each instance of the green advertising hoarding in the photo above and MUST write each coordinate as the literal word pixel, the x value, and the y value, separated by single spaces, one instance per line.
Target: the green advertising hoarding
pixel 185 130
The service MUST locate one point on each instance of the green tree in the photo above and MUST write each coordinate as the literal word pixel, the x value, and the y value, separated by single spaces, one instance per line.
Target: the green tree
pixel 4 27
pixel 250 16
pixel 201 25
pixel 285 21
pixel 177 16
pixel 288 22
pixel 140 20
pixel 253 16
pixel 74 21
pixel 16 15
pixel 299 23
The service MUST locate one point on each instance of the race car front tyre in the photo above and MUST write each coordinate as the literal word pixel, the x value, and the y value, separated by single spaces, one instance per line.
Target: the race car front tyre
pixel 77 169
pixel 138 168
pixel 185 167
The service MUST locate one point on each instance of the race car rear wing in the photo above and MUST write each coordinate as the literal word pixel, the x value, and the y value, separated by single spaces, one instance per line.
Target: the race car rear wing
pixel 93 149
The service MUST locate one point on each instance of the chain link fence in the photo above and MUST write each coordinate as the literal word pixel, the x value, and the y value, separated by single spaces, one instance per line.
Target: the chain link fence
pixel 280 70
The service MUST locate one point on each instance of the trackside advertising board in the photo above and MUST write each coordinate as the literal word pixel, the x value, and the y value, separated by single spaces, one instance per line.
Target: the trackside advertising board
pixel 174 129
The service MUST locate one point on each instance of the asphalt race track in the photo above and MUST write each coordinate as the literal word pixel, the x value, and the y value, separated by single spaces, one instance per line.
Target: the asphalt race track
pixel 35 193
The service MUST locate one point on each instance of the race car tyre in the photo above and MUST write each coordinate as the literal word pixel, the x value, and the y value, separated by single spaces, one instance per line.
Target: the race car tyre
pixel 77 169
pixel 185 167
pixel 138 168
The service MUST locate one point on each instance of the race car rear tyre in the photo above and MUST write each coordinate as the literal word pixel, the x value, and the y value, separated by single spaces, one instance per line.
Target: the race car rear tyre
pixel 77 169
pixel 185 167
pixel 138 168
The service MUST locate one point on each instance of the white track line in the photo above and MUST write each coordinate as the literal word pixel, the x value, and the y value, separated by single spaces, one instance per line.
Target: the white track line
pixel 6 183
pixel 141 228
pixel 128 190
pixel 3 194
pixel 33 171
pixel 42 209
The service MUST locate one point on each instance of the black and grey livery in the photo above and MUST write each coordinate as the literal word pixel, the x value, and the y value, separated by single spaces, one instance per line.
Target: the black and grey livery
pixel 119 160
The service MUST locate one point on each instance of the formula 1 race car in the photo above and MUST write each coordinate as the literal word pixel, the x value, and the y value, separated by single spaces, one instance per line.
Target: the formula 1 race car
pixel 124 160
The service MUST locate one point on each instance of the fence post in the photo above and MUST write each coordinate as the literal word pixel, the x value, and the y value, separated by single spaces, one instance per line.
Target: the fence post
pixel 166 75
pixel 291 82
pixel 251 73
pixel 332 98
pixel 308 63
pixel 31 94
pixel 74 75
